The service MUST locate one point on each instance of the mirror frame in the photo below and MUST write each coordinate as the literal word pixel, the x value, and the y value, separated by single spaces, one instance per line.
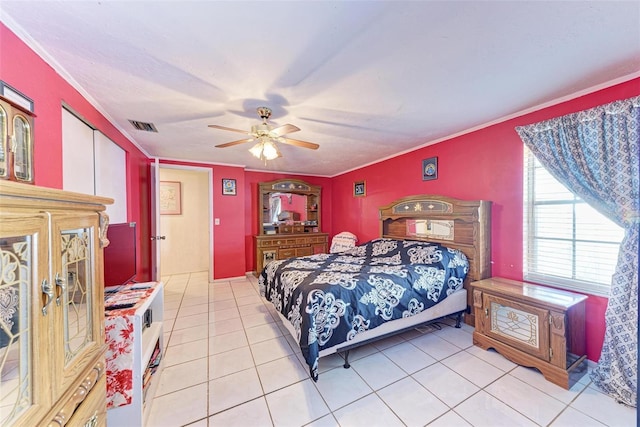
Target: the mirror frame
pixel 293 186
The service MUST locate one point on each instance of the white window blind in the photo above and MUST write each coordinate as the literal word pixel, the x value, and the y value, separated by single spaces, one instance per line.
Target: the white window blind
pixel 567 243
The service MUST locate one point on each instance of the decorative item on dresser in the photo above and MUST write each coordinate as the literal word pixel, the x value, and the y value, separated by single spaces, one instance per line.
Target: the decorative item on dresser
pixel 52 365
pixel 16 141
pixel 532 325
pixel 289 221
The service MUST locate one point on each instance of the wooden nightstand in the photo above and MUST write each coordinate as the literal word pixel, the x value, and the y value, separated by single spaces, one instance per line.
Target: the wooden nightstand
pixel 533 326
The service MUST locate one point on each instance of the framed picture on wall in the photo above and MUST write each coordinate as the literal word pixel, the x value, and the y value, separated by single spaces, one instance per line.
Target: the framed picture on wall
pixel 359 189
pixel 170 198
pixel 229 187
pixel 430 169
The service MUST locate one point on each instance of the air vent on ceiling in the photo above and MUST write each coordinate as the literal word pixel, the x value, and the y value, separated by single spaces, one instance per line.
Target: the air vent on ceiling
pixel 147 127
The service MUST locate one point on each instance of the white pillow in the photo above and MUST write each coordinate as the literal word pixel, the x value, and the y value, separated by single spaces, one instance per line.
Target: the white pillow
pixel 343 241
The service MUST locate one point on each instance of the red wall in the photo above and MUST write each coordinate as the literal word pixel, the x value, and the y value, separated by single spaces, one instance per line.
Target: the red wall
pixel 22 69
pixel 485 164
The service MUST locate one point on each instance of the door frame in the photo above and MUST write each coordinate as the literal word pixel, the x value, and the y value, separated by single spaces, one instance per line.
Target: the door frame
pixel 209 172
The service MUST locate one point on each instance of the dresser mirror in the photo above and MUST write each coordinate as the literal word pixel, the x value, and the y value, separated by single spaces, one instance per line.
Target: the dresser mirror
pixel 289 206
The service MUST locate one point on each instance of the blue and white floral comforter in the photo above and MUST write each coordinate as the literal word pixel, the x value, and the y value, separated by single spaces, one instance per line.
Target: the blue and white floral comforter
pixel 330 298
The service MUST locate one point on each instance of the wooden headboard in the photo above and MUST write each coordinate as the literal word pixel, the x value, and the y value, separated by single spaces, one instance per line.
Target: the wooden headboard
pixel 458 224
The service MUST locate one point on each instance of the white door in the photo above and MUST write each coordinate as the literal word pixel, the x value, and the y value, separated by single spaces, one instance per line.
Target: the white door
pixel 187 243
pixel 154 178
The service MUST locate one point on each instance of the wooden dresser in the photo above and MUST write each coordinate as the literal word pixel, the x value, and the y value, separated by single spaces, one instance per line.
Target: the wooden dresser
pixel 280 246
pixel 289 221
pixel 533 326
pixel 52 341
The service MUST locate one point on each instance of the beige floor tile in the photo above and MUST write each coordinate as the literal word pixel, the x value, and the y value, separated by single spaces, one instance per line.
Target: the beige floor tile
pixel 449 419
pixel 340 386
pixel 484 410
pixel 263 333
pixel 409 357
pixel 254 413
pixel 435 346
pixel 528 400
pixel 473 369
pixel 266 351
pixel 534 378
pixel 181 353
pixel 412 403
pixel 603 408
pixel 233 389
pixel 367 412
pixel 296 405
pixel 218 315
pixel 573 418
pixel 457 336
pixel 378 370
pixel 281 373
pixel 229 362
pixel 225 342
pixel 191 321
pixel 186 335
pixel 225 326
pixel 179 408
pixel 448 386
pixel 181 376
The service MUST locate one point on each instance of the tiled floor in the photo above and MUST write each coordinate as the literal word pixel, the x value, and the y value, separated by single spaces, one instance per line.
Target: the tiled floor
pixel 229 362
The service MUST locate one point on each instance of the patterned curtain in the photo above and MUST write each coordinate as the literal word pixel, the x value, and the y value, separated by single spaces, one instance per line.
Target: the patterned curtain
pixel 595 154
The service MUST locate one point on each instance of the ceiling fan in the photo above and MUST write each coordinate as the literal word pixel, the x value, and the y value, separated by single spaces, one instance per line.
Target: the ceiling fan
pixel 267 136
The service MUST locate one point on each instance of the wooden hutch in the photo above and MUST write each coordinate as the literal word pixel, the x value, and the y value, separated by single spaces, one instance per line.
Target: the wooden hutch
pixel 289 221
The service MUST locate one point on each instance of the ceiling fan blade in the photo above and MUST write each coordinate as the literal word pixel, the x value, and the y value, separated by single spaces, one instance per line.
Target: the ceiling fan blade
pixel 284 129
pixel 232 143
pixel 299 143
pixel 229 129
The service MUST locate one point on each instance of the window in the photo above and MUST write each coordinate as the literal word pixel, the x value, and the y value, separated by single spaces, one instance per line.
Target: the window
pixel 567 243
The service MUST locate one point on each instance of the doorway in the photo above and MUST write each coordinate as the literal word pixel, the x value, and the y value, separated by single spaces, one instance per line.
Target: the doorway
pixel 186 244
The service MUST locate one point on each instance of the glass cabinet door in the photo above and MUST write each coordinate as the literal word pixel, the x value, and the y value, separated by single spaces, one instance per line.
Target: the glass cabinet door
pixel 75 285
pixel 22 149
pixel 24 339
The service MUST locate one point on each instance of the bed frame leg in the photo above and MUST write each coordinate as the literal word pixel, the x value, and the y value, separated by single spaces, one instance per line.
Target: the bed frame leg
pixel 346 360
pixel 458 320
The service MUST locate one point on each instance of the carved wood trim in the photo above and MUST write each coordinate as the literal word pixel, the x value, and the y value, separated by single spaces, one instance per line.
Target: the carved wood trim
pixel 556 321
pixel 477 298
pixel 81 393
pixel 104 225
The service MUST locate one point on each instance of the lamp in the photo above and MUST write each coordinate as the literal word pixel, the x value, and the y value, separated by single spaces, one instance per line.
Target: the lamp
pixel 265 149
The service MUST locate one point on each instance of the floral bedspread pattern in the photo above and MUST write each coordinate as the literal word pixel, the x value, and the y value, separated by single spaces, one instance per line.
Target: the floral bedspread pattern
pixel 330 298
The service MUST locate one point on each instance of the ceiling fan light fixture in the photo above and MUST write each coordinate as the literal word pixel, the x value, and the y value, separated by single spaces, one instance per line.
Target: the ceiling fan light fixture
pixel 265 150
pixel 270 151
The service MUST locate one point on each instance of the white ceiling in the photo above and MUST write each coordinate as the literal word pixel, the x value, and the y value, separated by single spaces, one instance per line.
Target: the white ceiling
pixel 364 79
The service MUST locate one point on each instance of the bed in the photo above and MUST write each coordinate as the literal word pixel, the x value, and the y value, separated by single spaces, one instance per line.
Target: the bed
pixel 430 248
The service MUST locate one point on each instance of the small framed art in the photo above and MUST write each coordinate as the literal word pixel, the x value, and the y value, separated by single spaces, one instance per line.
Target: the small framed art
pixel 229 187
pixel 430 169
pixel 359 189
pixel 170 198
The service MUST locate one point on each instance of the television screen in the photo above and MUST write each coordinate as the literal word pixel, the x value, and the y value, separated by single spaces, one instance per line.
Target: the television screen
pixel 120 255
